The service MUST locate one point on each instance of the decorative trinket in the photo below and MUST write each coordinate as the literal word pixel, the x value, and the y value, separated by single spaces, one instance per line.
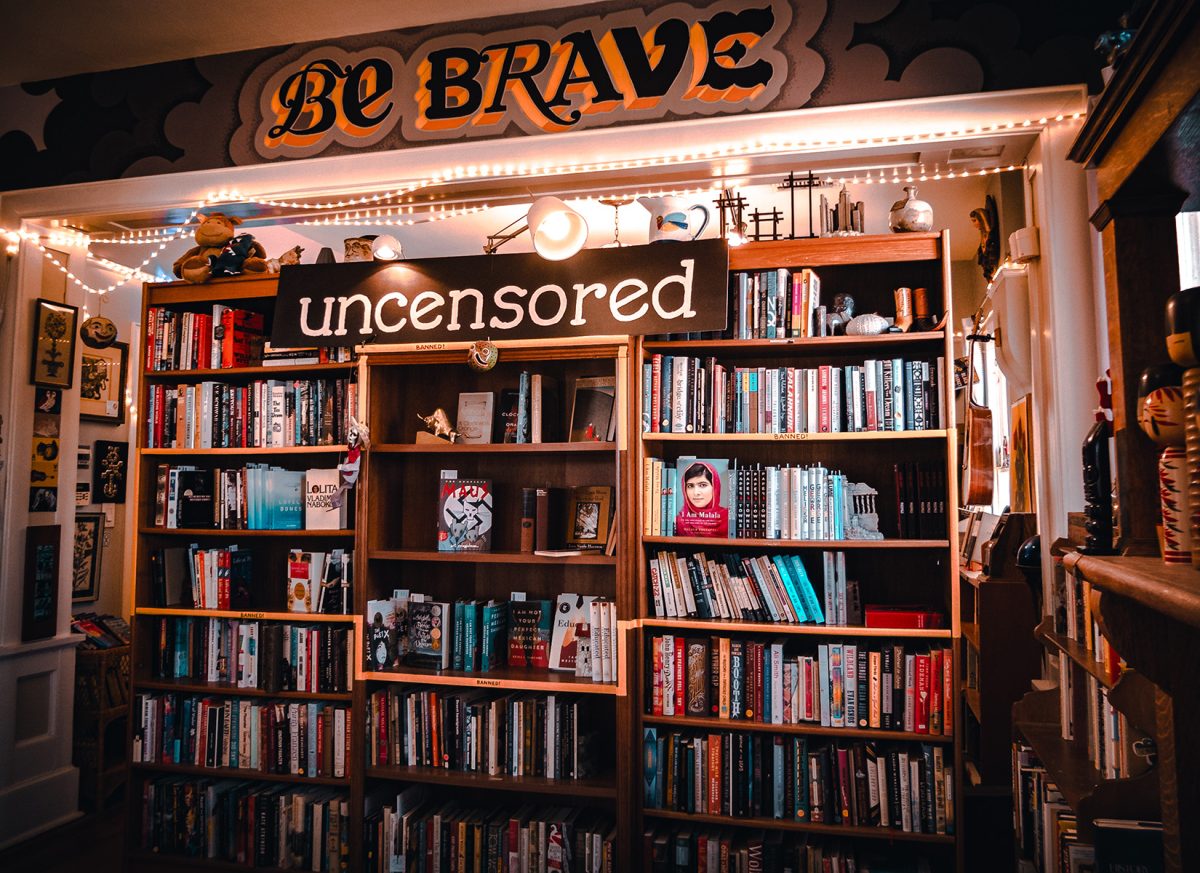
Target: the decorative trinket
pixel 438 424
pixel 482 356
pixel 98 332
pixel 911 215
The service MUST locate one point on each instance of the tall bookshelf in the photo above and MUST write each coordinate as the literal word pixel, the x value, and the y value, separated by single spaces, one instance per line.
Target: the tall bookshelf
pixel 397 548
pixel 268 604
pixel 889 571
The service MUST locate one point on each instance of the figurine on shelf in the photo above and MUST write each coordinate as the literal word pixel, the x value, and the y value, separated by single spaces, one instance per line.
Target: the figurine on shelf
pixel 867 324
pixel 357 441
pixel 1160 414
pixel 291 256
pixel 987 221
pixel 864 519
pixel 843 311
pixel 1183 341
pixel 439 427
pixel 1097 479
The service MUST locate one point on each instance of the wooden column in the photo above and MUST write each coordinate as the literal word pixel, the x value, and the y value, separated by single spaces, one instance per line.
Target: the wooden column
pixel 1141 270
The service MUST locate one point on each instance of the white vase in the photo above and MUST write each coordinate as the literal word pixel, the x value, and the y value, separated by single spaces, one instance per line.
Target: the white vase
pixel 911 215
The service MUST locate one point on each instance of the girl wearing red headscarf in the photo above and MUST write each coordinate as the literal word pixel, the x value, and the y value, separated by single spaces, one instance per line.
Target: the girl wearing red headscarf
pixel 702 514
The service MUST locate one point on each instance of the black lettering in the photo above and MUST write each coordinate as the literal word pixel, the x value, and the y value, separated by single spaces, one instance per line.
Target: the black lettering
pixel 653 81
pixel 753 23
pixel 584 48
pixel 359 92
pixel 306 92
pixel 524 77
pixel 441 80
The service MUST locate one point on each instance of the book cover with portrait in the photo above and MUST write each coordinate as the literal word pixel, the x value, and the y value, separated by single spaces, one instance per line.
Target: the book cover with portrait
pixel 703 498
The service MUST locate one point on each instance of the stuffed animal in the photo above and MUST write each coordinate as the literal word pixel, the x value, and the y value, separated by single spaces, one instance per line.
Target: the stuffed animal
pixel 213 232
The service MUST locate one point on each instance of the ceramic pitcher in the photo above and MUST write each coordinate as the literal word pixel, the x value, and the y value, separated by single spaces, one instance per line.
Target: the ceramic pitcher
pixel 671 218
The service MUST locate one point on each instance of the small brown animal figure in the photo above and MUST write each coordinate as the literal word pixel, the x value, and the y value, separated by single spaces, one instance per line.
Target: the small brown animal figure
pixel 438 424
pixel 212 232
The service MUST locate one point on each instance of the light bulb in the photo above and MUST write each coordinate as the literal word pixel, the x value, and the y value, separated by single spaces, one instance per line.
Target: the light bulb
pixel 556 227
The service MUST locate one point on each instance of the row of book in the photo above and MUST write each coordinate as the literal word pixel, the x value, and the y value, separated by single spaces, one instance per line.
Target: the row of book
pixel 273 413
pixel 714 497
pixel 224 578
pixel 775 304
pixel 289 739
pixel 575 634
pixel 411 832
pixel 551 735
pixel 267 655
pixel 253 497
pixel 226 338
pixel 1106 733
pixel 839 685
pixel 686 849
pixel 685 394
pixel 100 631
pixel 905 787
pixel 240 822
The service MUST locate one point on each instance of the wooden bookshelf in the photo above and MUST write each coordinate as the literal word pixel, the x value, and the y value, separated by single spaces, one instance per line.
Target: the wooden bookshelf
pixel 395 544
pixel 269 547
pixel 891 570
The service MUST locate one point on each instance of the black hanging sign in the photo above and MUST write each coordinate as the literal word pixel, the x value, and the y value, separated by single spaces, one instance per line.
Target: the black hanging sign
pixel 669 287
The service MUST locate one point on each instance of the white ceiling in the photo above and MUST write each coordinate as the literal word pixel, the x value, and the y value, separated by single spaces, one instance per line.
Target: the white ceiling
pixel 47 40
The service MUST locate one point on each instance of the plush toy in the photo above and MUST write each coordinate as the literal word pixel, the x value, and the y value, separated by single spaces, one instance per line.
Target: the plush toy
pixel 214 233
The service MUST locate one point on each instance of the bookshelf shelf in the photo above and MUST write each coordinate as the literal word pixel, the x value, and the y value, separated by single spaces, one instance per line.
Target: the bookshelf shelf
pixel 486 557
pixel 238 533
pixel 806 346
pixel 1076 651
pixel 604 788
pixel 505 678
pixel 237 373
pixel 830 251
pixel 746 542
pixel 720 724
pixel 970 633
pixel 230 773
pixel 888 834
pixel 215 688
pixel 274 451
pixel 442 448
pixel 244 614
pixel 718 626
pixel 846 437
pixel 166 861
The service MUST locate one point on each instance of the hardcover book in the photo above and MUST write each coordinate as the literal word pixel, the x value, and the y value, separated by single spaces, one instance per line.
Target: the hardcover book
pixel 464 514
pixel 319 511
pixel 704 498
pixel 381 631
pixel 429 634
pixel 304 574
pixel 529 623
pixel 571 624
pixel 194 496
pixel 589 513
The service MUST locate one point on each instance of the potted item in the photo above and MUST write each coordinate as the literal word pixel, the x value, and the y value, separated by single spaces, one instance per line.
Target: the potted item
pixel 910 215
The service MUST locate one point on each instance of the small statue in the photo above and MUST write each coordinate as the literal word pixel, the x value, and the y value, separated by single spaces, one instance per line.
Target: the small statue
pixel 864 520
pixel 843 311
pixel 291 256
pixel 987 221
pixel 438 424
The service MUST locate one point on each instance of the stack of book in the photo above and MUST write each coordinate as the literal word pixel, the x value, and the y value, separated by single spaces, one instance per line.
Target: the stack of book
pixel 271 413
pixel 551 736
pixel 409 831
pixel 242 823
pixel 903 786
pixel 253 497
pixel 289 739
pixel 100 631
pixel 838 685
pixel 701 395
pixel 575 634
pixel 267 655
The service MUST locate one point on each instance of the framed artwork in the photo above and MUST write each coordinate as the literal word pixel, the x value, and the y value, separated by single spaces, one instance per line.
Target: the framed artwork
pixel 109 471
pixel 85 567
pixel 40 604
pixel 54 329
pixel 102 376
pixel 1021 469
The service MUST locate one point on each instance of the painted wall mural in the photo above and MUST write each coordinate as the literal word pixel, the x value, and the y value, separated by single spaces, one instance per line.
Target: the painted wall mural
pixel 625 63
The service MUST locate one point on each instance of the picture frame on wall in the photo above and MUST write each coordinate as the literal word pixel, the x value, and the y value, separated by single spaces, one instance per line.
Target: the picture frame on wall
pixel 39 606
pixel 102 375
pixel 1021 465
pixel 89 545
pixel 54 328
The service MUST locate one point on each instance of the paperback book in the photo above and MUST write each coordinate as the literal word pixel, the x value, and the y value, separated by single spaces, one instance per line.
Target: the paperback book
pixel 464 522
